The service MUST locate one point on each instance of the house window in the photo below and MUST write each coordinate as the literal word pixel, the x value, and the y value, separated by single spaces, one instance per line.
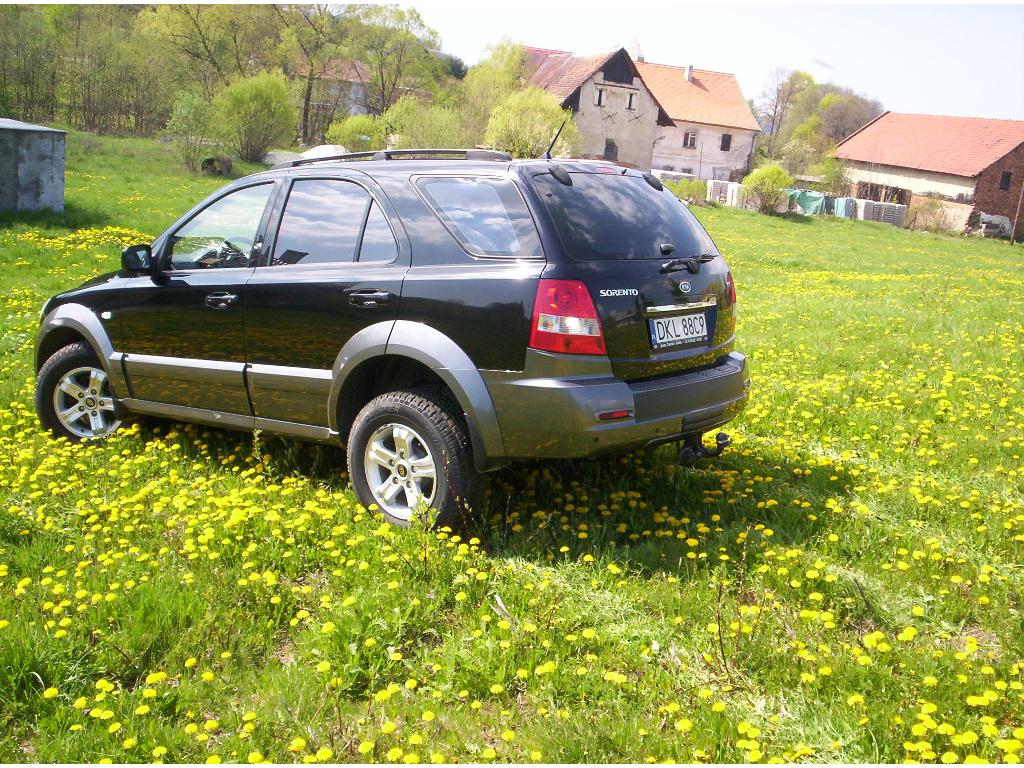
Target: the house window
pixel 631 102
pixel 689 140
pixel 599 99
pixel 726 142
pixel 611 150
pixel 1004 180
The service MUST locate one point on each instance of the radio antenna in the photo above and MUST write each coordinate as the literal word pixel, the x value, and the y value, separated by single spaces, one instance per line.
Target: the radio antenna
pixel 547 155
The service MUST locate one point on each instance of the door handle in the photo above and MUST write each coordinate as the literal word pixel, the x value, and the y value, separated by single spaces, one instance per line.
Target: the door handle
pixel 220 300
pixel 369 298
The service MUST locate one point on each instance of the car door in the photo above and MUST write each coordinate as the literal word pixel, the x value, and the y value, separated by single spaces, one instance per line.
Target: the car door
pixel 333 266
pixel 183 332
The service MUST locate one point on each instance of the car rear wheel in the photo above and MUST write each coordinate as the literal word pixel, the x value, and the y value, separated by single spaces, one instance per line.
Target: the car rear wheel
pixel 74 398
pixel 408 455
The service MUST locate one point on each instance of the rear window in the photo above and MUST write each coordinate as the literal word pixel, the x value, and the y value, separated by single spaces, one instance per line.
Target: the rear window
pixel 487 216
pixel 605 216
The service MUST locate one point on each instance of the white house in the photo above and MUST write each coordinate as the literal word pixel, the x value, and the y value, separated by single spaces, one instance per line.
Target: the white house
pixel 712 130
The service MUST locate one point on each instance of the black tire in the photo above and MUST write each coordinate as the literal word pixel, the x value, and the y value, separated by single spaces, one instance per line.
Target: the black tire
pixel 64 360
pixel 434 420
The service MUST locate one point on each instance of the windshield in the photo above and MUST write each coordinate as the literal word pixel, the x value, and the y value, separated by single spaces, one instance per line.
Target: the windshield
pixel 606 216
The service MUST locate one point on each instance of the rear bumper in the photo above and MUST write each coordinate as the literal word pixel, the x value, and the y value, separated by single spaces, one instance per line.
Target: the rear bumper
pixel 550 410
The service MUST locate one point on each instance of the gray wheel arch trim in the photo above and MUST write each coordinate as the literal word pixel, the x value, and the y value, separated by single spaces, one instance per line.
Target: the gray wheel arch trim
pixel 419 342
pixel 85 322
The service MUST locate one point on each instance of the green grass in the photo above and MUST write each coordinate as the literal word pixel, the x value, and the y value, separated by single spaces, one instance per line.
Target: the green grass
pixel 622 610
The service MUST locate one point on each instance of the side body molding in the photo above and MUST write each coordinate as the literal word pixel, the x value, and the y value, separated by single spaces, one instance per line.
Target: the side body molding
pixel 84 321
pixel 420 342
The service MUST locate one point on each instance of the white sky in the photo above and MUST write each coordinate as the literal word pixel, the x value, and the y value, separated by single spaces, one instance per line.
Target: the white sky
pixel 937 59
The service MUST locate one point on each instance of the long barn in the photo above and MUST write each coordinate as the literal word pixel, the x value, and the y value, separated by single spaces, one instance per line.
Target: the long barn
pixel 972 161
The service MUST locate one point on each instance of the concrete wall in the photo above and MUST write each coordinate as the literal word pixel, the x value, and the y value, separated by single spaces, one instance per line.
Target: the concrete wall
pixel 706 159
pixel 943 214
pixel 918 182
pixel 633 131
pixel 31 170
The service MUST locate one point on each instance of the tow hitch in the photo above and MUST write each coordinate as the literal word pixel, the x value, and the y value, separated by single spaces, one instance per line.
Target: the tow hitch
pixel 694 449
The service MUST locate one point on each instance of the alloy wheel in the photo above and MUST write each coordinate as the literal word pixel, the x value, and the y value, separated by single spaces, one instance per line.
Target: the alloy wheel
pixel 84 403
pixel 400 470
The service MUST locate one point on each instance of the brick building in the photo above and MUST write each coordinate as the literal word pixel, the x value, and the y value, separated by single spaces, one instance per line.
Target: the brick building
pixel 977 164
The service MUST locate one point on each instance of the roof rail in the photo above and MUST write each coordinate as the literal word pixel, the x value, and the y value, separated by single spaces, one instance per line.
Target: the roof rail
pixel 392 154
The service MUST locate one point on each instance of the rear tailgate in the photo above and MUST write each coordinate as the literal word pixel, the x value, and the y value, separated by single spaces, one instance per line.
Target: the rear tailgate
pixel 626 241
pixel 675 321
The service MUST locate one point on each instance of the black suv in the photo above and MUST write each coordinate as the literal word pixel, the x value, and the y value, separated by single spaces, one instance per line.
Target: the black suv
pixel 440 313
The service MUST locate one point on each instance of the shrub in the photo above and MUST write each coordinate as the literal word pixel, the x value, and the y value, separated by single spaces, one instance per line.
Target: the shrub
pixel 694 192
pixel 408 123
pixel 356 133
pixel 254 113
pixel 834 180
pixel 189 128
pixel 525 123
pixel 929 214
pixel 766 187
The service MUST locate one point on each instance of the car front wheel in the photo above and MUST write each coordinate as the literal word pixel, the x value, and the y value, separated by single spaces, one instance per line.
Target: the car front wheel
pixel 74 398
pixel 408 454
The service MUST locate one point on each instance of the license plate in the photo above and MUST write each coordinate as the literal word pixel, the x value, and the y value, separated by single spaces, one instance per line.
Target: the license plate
pixel 677 330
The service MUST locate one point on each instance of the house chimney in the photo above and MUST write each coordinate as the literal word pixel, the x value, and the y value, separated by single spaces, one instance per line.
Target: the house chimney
pixel 689 73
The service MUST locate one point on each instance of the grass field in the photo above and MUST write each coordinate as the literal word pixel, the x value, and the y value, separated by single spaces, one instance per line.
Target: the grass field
pixel 845 584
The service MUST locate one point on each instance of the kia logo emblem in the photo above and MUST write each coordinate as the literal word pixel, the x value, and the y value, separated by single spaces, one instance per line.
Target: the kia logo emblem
pixel 684 286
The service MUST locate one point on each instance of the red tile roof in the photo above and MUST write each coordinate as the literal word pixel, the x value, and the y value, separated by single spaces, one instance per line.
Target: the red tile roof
pixel 710 97
pixel 560 73
pixel 339 70
pixel 961 146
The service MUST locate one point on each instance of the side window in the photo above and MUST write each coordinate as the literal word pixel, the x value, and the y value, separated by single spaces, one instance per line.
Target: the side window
pixel 487 216
pixel 378 240
pixel 321 222
pixel 223 233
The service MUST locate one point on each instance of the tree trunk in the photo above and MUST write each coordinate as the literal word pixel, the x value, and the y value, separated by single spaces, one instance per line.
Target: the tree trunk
pixel 306 99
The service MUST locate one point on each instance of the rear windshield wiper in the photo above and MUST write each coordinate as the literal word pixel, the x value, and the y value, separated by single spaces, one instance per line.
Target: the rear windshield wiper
pixel 690 263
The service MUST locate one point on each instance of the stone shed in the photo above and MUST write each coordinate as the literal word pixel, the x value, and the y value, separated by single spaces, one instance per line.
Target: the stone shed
pixel 31 167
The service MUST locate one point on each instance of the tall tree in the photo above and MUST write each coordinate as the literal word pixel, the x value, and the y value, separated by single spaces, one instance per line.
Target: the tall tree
pixel 311 41
pixel 490 82
pixel 218 43
pixel 398 53
pixel 843 112
pixel 29 70
pixel 783 87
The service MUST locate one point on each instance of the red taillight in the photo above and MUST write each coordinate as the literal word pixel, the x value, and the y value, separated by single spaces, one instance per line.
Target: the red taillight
pixel 565 320
pixel 732 287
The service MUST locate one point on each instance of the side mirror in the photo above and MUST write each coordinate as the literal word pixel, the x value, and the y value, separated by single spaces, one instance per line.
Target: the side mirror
pixel 137 259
